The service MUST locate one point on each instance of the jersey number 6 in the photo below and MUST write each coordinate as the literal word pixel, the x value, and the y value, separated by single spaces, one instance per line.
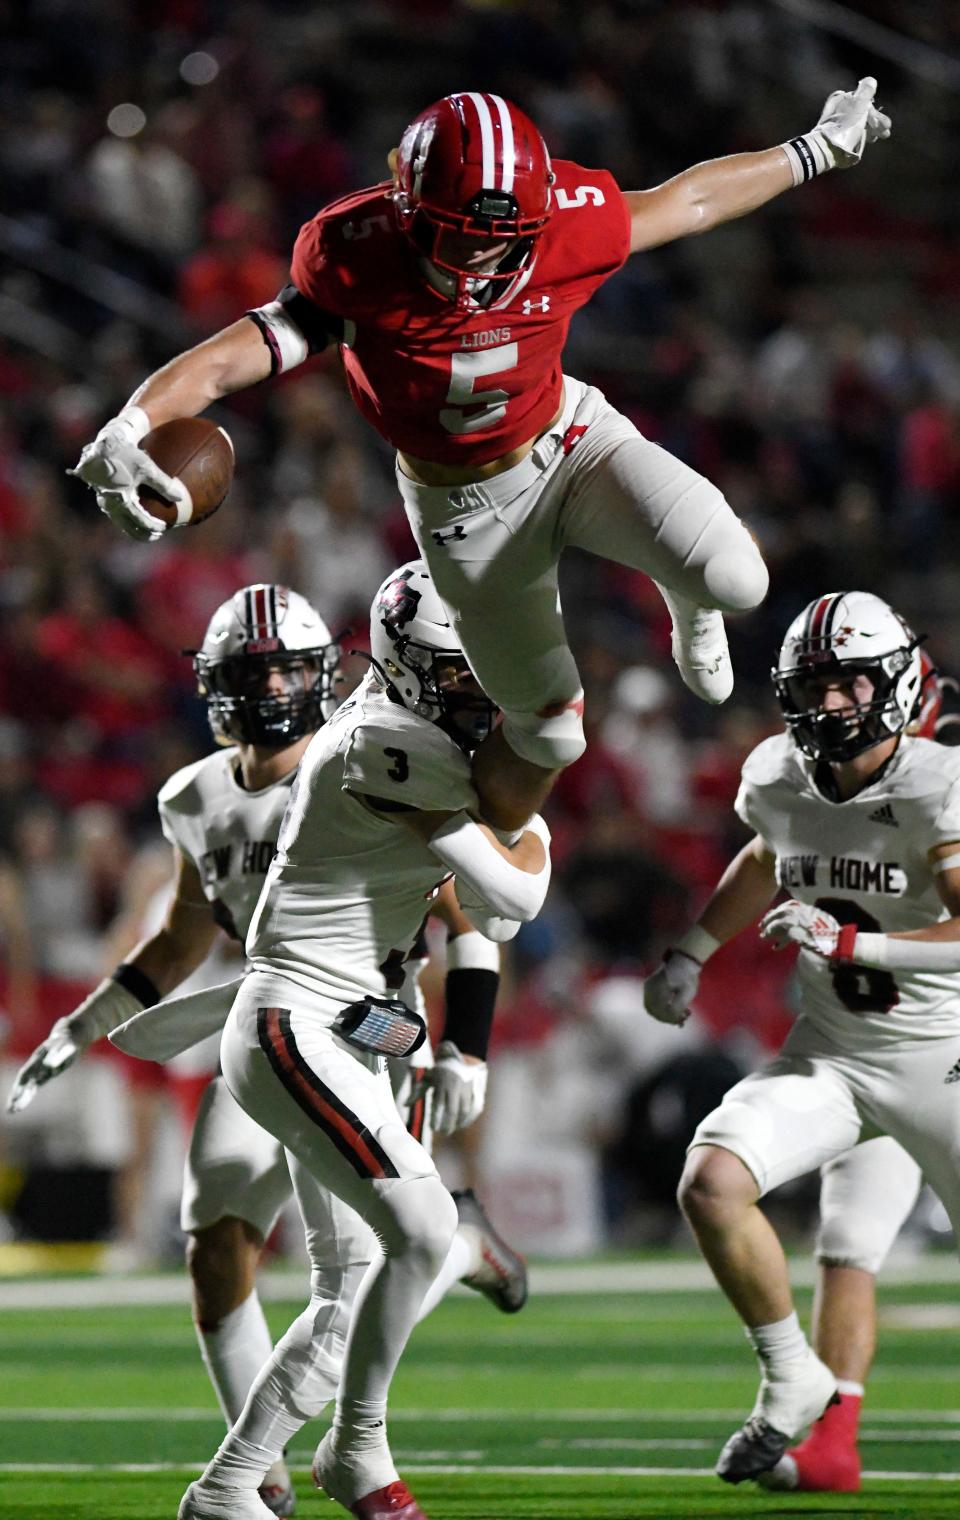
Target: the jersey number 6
pixel 862 989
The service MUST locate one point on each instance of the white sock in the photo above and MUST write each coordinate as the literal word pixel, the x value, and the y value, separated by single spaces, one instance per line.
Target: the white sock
pixel 463 1259
pixel 234 1353
pixel 849 1388
pixel 780 1345
pixel 295 1384
pixel 360 1422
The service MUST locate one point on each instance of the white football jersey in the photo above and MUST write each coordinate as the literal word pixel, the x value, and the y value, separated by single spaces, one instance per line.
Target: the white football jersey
pixel 348 890
pixel 229 834
pixel 866 862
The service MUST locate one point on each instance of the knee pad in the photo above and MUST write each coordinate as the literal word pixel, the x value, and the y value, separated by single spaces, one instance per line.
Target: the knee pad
pixel 548 739
pixel 737 579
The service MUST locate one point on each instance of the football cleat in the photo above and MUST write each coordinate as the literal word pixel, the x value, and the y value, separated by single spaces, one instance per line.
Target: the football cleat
pixel 502 1275
pixel 356 1480
pixel 784 1407
pixel 202 1502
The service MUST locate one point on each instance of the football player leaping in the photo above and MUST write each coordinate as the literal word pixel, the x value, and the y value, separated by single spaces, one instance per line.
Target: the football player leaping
pixel 379 815
pixel 266 669
pixel 449 289
pixel 862 822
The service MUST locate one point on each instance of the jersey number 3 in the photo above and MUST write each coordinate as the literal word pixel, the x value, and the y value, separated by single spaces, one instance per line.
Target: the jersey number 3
pixel 486 407
pixel 862 989
pixel 400 769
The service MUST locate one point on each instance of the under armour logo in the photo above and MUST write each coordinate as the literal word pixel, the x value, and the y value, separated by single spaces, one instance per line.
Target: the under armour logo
pixel 884 814
pixel 542 303
pixel 953 1075
pixel 459 531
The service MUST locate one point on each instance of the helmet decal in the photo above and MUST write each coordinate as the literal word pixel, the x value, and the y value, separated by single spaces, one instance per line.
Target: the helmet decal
pixel 397 601
pixel 418 659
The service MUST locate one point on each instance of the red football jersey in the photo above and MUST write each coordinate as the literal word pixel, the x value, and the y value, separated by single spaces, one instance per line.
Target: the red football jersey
pixel 458 387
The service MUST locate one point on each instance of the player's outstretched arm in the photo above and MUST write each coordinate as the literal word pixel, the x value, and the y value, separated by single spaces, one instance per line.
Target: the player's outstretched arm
pixel 935 948
pixel 154 968
pixel 721 189
pixel 740 896
pixel 116 467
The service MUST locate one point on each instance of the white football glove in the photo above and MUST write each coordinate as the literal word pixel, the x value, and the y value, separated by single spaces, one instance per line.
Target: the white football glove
pixel 56 1053
pixel 115 467
pixel 669 991
pixel 459 1089
pixel 801 924
pixel 849 120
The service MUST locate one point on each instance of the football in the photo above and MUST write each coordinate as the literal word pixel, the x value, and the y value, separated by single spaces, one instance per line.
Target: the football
pixel 201 455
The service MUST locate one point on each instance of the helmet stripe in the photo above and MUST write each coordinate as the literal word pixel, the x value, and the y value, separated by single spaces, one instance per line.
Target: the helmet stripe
pixel 818 616
pixel 509 151
pixel 488 170
pixel 272 610
pixel 260 607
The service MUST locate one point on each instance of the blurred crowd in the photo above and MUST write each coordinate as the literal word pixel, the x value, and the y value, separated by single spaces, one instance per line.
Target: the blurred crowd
pixel 158 158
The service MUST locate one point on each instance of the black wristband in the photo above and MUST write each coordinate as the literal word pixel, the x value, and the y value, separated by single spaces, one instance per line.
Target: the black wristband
pixel 138 984
pixel 471 994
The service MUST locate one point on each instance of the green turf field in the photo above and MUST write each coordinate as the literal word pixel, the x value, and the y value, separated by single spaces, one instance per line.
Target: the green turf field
pixel 587 1406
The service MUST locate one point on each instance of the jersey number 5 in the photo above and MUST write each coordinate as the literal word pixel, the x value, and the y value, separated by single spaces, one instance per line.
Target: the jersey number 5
pixel 487 407
pixel 862 989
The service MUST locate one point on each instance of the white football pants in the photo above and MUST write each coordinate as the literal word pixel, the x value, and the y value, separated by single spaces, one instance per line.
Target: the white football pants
pixel 866 1196
pixel 814 1102
pixel 592 482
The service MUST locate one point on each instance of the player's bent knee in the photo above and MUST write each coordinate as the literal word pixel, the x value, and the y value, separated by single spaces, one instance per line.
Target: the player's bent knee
pixel 737 580
pixel 551 742
pixel 419 1217
pixel 715 1183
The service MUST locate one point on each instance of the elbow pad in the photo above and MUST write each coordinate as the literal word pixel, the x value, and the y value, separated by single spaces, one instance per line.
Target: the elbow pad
pixel 491 882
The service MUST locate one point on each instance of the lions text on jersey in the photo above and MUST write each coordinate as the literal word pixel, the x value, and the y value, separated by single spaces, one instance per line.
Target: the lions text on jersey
pixel 864 860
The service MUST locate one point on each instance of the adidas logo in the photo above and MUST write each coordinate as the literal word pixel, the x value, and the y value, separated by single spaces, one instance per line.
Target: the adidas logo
pixel 953 1075
pixel 884 815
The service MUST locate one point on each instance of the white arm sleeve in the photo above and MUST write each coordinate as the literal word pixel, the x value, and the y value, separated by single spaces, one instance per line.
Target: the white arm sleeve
pixel 889 954
pixel 508 892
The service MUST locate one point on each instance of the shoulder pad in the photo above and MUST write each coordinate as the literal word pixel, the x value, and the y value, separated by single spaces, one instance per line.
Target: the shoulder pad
pixel 396 755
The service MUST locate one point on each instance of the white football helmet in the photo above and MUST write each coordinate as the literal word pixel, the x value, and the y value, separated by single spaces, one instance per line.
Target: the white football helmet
pixel 260 630
pixel 847 632
pixel 419 661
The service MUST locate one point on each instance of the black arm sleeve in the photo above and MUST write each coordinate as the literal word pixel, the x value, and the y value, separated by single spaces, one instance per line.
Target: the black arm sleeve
pixel 471 994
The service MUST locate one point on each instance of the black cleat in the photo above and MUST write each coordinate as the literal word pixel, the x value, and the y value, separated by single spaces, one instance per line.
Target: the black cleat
pixel 502 1277
pixel 751 1450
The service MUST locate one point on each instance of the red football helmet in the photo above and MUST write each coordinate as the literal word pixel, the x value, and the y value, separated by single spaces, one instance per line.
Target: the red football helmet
pixel 473 167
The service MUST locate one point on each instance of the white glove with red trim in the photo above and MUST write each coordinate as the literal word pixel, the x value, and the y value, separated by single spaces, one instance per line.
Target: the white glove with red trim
pixel 809 927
